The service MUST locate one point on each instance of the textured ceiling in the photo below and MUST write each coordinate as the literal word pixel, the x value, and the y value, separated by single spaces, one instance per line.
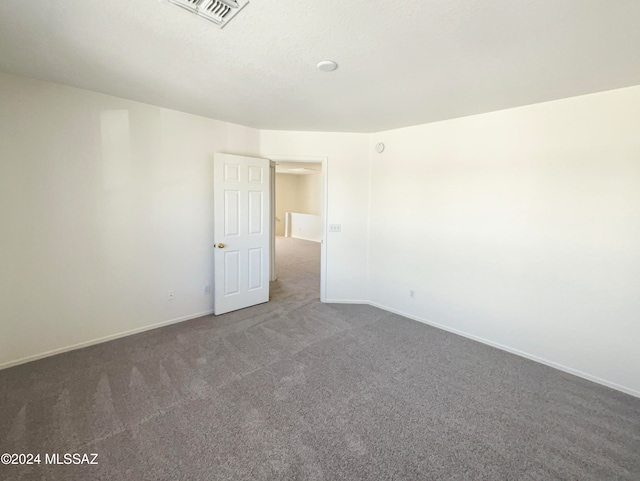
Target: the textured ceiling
pixel 401 62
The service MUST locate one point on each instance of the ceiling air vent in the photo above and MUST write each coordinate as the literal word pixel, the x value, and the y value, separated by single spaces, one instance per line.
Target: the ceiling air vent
pixel 219 12
pixel 191 5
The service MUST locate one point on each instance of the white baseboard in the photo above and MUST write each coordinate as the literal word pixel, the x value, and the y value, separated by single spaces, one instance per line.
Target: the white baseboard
pixel 512 350
pixel 100 340
pixel 345 301
pixel 502 347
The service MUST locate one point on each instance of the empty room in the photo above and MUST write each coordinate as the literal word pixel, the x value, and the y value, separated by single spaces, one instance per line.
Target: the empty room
pixel 455 296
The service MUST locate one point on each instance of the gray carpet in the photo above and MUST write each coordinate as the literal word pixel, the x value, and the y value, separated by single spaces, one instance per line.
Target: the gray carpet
pixel 299 390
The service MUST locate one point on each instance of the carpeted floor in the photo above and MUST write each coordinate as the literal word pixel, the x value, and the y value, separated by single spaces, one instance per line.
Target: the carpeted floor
pixel 299 390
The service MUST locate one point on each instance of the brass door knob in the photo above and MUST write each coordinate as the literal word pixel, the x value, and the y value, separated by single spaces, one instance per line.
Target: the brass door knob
pixel 221 246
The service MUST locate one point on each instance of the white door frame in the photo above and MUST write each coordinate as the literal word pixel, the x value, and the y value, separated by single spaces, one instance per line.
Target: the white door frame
pixel 323 244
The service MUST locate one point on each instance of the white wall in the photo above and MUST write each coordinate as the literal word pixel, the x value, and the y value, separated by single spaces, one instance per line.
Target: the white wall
pixel 305 226
pixel 520 227
pixel 348 188
pixel 105 206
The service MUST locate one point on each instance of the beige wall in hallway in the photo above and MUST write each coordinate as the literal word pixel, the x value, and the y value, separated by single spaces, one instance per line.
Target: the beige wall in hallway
pixel 297 193
pixel 287 198
pixel 311 193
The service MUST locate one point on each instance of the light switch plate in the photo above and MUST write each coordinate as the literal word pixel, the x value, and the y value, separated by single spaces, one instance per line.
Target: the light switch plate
pixel 335 228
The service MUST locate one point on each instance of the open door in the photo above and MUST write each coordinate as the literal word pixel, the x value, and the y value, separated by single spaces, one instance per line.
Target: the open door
pixel 241 231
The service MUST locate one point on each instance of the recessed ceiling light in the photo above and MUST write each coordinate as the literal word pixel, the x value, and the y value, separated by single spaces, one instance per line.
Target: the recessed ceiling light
pixel 327 66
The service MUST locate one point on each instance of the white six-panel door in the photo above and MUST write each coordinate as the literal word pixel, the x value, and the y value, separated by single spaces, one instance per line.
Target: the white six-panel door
pixel 241 232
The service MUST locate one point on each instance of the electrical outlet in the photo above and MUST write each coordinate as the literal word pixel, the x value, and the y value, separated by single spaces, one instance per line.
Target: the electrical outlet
pixel 172 295
pixel 412 294
pixel 207 288
pixel 335 227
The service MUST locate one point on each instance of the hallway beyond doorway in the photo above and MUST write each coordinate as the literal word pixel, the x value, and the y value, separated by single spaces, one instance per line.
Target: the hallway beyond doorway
pixel 298 269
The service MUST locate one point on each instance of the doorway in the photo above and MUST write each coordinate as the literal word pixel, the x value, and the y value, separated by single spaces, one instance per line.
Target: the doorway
pixel 299 187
